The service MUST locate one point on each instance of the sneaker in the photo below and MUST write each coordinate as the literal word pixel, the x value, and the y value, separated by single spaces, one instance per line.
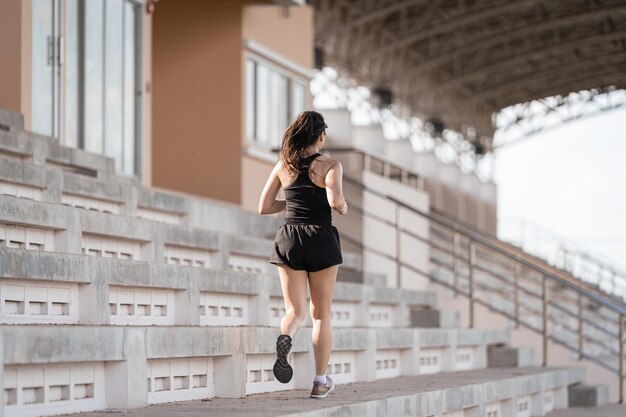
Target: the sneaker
pixel 322 390
pixel 282 368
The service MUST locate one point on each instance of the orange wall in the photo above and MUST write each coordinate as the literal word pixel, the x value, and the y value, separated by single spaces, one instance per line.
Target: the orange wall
pixel 197 97
pixel 11 55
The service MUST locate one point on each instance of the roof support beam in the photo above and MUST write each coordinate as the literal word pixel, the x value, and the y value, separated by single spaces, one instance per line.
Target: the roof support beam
pixel 517 59
pixel 494 39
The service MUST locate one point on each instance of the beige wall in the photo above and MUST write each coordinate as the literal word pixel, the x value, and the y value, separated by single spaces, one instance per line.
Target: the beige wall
pixel 382 235
pixel 287 31
pixel 255 172
pixel 15 40
pixel 197 97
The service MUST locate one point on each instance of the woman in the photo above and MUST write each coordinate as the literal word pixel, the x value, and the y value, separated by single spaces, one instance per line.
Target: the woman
pixel 307 246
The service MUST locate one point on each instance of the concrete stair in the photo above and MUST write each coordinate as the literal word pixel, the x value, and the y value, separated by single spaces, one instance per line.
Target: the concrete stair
pixel 114 296
pixel 477 393
pixel 613 410
pixel 581 395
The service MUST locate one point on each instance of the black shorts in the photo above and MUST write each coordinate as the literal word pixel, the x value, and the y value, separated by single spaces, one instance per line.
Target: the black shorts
pixel 307 247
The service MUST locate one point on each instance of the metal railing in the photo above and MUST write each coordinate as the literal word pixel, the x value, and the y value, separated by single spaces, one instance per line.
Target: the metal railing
pixel 489 273
pixel 564 254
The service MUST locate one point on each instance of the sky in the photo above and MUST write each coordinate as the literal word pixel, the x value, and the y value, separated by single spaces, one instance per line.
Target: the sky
pixel 572 181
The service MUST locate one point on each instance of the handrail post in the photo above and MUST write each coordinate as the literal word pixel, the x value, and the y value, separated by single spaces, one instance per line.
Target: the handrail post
pixel 472 262
pixel 516 278
pixel 398 231
pixel 455 262
pixel 404 176
pixel 621 358
pixel 580 327
pixel 544 330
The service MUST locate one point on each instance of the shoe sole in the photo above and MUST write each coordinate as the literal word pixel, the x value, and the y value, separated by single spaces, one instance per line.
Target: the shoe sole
pixel 282 370
pixel 331 389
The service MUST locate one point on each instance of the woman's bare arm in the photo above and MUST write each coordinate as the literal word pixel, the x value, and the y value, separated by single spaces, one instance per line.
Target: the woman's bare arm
pixel 268 203
pixel 334 190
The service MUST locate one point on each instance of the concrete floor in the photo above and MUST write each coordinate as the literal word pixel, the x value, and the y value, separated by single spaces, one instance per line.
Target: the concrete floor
pixel 293 401
pixel 604 411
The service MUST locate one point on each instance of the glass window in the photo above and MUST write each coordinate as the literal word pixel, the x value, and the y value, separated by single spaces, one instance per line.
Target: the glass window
pixel 298 103
pixel 131 95
pixel 96 91
pixel 250 100
pixel 263 104
pixel 93 106
pixel 273 100
pixel 71 111
pixel 43 66
pixel 280 108
pixel 114 81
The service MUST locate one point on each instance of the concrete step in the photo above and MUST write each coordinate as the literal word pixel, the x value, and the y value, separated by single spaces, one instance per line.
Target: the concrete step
pixel 11 121
pixel 23 178
pixel 368 278
pixel 509 357
pixel 91 290
pixel 581 395
pixel 613 410
pixel 430 317
pixel 40 150
pixel 468 393
pixel 113 363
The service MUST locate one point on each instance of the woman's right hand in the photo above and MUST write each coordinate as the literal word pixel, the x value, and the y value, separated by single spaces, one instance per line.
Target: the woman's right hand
pixel 344 208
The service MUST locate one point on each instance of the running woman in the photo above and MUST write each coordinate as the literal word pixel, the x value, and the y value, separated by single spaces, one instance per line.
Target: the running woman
pixel 307 245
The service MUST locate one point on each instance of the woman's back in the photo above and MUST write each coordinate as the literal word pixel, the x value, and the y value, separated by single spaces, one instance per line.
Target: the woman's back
pixel 305 192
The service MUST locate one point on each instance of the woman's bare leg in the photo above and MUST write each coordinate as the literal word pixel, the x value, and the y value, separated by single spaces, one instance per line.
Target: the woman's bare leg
pixel 293 284
pixel 322 285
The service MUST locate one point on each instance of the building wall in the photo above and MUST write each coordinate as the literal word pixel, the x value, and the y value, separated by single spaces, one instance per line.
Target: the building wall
pixel 197 97
pixel 15 47
pixel 287 31
pixel 255 173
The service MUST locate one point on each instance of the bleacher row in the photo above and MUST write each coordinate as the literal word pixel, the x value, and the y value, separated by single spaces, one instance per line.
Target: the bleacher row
pixel 116 296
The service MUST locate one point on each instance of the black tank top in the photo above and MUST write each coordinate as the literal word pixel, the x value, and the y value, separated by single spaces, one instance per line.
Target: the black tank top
pixel 305 201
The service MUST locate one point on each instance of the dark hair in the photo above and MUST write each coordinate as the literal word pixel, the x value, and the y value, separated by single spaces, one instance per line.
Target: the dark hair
pixel 301 134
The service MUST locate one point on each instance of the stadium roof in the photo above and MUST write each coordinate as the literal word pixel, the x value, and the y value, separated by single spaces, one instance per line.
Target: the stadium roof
pixel 460 61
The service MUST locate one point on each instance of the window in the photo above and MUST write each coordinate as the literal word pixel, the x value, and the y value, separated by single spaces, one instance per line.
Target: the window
pixel 86 76
pixel 273 99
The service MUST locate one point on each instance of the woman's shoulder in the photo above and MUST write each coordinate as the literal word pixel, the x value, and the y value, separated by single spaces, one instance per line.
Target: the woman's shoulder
pixel 327 160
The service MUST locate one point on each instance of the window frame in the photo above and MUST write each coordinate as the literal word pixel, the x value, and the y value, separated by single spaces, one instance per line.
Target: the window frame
pixel 293 80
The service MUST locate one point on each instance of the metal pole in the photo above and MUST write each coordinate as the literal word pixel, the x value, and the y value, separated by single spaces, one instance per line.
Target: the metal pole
pixel 544 330
pixel 472 262
pixel 621 358
pixel 398 231
pixel 518 273
pixel 580 327
pixel 455 262
pixel 367 162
